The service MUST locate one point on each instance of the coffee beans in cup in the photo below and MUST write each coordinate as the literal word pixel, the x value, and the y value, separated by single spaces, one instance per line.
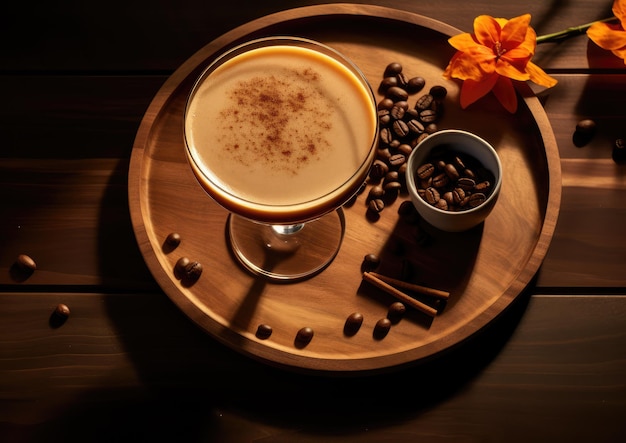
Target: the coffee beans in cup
pixel 453 181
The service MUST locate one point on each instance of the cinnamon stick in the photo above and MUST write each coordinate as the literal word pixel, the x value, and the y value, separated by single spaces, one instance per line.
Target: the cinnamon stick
pixel 437 293
pixel 374 280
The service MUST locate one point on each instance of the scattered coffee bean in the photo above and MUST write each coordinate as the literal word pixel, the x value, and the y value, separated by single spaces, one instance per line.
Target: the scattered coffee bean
pixel 586 127
pixel 402 127
pixel 387 83
pixel 378 170
pixel 353 323
pixel 370 262
pixel 396 160
pixel 25 264
pixel 376 192
pixel 192 271
pixel 424 102
pixel 415 84
pixel 304 336
pixel 396 311
pixel 382 328
pixel 179 267
pixel 62 310
pixel 619 151
pixel 173 239
pixel 376 205
pixel 392 69
pixel 59 316
pixel 438 92
pixel 397 94
pixel 263 331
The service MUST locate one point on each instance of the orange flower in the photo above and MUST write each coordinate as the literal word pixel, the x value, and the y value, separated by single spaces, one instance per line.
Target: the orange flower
pixel 611 36
pixel 495 55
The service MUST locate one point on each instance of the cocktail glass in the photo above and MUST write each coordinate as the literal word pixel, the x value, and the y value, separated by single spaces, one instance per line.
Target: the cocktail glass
pixel 281 132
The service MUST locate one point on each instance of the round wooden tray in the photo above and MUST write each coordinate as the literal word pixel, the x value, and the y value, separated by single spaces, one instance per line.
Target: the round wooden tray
pixel 484 269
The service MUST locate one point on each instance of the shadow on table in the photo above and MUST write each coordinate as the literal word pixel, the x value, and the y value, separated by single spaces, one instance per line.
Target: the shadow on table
pixel 185 386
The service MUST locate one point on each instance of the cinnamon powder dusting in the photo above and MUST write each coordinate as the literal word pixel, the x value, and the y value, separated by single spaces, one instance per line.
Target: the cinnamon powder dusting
pixel 277 121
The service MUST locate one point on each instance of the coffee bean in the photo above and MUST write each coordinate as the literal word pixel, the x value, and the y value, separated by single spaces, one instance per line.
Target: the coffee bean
pixel 304 336
pixel 438 92
pixel 263 331
pixel 392 69
pixel 415 126
pixel 391 176
pixel 432 195
pixel 428 116
pixel 26 264
pixel 465 183
pixel 173 239
pixel 619 151
pixel 386 136
pixel 385 103
pixel 397 112
pixel 397 160
pixel 400 128
pixel 192 272
pixel 424 102
pixel 405 149
pixel 370 262
pixel 384 116
pixel 442 204
pixel 451 171
pixel 440 180
pixel 179 267
pixel 586 127
pixel 426 170
pixel 402 80
pixel 397 94
pixel 378 170
pixel 387 83
pixel 431 128
pixel 382 328
pixel 59 316
pixel 476 199
pixel 62 310
pixel 353 323
pixel 376 191
pixel 415 84
pixel 376 205
pixel 396 311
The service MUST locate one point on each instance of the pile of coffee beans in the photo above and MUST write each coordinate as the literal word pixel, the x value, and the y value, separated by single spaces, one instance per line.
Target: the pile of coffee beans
pixel 404 122
pixel 453 181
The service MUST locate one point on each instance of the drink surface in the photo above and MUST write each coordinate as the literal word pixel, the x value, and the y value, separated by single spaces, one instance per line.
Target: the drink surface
pixel 279 130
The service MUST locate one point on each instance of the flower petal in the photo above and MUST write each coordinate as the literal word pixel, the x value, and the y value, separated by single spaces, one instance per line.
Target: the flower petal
pixel 508 70
pixel 619 9
pixel 514 32
pixel 463 42
pixel 505 93
pixel 473 90
pixel 487 30
pixel 607 36
pixel 538 76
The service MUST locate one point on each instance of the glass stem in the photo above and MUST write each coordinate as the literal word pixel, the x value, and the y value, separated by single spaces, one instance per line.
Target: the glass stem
pixel 287 229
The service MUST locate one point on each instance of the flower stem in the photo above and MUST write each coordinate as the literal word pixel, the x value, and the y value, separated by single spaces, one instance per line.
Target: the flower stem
pixel 569 32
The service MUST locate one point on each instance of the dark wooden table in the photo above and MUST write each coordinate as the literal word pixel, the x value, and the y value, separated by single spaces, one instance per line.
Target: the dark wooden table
pixel 75 81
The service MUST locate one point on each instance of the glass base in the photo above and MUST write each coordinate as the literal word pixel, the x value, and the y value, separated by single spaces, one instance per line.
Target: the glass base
pixel 287 252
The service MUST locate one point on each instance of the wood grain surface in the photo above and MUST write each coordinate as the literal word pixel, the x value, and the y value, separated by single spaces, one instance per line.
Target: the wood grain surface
pixel 128 364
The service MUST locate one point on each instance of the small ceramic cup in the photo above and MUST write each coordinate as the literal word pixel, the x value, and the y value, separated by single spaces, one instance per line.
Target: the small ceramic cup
pixel 463 143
